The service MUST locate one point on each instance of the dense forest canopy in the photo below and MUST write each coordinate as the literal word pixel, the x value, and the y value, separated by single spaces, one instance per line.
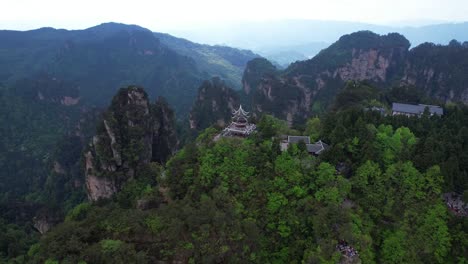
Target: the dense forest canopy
pixel 376 196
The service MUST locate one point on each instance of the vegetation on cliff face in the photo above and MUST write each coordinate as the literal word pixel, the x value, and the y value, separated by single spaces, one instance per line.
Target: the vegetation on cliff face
pixel 349 47
pixel 111 55
pixel 309 87
pixel 439 71
pixel 132 134
pixel 214 105
pixel 378 189
pixel 255 70
pixel 41 138
pixel 40 150
pixel 165 140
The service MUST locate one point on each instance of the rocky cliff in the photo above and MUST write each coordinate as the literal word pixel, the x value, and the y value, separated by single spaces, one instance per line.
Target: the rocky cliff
pixel 133 133
pixel 309 87
pixel 46 88
pixel 164 136
pixel 214 104
pixel 255 71
pixel 439 71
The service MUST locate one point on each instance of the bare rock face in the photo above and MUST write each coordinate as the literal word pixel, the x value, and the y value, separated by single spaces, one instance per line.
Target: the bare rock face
pixel 365 65
pixel 58 168
pixel 113 144
pixel 68 100
pixel 45 219
pixel 42 225
pixel 97 187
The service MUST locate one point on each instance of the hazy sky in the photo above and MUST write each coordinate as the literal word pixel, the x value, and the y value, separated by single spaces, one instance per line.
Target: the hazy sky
pixel 180 15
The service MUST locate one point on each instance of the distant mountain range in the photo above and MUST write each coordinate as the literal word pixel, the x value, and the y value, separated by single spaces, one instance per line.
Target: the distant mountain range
pixel 436 73
pixel 101 59
pixel 285 41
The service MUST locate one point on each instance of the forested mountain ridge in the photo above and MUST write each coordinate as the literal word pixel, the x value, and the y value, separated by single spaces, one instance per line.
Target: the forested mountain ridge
pixel 98 59
pixel 50 82
pixel 308 87
pixel 439 70
pixel 222 61
pixel 378 189
pixel 243 200
pixel 110 55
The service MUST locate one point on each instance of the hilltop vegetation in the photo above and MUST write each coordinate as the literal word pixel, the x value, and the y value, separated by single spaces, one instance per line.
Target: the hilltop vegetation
pixel 376 193
pixel 243 200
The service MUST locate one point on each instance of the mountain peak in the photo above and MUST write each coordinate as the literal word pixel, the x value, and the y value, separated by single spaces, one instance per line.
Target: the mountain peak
pixel 112 27
pixel 367 39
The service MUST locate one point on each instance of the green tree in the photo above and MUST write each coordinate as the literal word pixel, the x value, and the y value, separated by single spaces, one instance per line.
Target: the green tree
pixel 313 128
pixel 394 248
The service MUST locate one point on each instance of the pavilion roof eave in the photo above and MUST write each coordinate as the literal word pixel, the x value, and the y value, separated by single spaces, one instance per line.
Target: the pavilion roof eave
pixel 240 111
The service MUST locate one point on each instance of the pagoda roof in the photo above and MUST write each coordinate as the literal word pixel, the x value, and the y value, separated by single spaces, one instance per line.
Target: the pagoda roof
pixel 240 112
pixel 317 147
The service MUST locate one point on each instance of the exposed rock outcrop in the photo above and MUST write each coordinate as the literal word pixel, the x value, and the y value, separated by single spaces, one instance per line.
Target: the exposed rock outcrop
pixel 97 187
pixel 133 133
pixel 45 220
pixel 214 104
pixel 439 71
pixel 365 65
pixel 255 71
pixel 44 87
pixel 308 87
pixel 68 100
pixel 40 216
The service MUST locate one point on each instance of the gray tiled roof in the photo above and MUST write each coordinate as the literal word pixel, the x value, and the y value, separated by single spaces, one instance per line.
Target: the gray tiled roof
pixel 317 147
pixel 297 139
pixel 417 109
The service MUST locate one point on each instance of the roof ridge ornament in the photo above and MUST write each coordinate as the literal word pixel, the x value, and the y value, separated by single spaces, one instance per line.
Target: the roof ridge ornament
pixel 240 125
